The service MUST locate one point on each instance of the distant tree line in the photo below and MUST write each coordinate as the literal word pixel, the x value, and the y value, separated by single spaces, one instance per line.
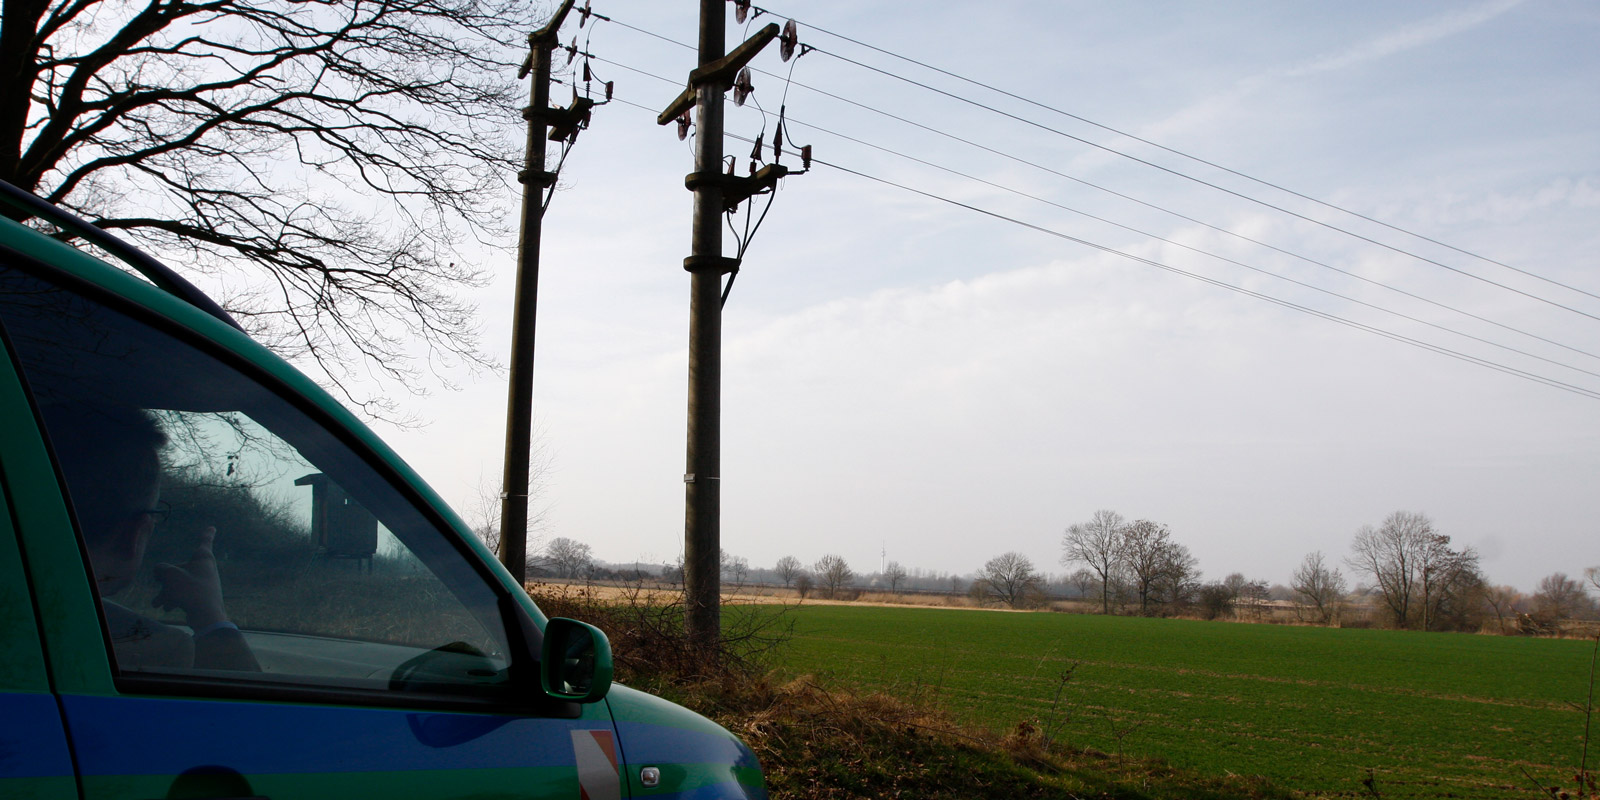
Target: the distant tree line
pixel 1410 575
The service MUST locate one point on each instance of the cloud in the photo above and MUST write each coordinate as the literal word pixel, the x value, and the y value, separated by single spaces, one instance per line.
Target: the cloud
pixel 1409 37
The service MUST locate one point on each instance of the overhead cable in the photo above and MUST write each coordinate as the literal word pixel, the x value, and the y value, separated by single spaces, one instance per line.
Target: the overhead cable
pixel 1169 170
pixel 1223 189
pixel 1506 369
pixel 1579 390
pixel 1197 159
pixel 1237 263
pixel 1242 237
pixel 1377 331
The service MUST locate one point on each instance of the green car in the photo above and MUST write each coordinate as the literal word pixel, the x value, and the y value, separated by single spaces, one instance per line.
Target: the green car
pixel 216 582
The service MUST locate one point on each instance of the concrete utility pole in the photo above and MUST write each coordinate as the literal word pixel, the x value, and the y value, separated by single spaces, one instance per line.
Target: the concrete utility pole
pixel 714 193
pixel 519 402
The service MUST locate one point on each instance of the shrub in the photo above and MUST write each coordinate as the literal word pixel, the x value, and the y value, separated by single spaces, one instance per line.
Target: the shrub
pixel 646 629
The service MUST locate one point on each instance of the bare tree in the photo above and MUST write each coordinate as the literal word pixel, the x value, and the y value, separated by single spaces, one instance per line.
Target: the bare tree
pixel 1319 586
pixel 1559 597
pixel 834 573
pixel 734 569
pixel 239 138
pixel 483 514
pixel 894 574
pixel 1451 584
pixel 1421 580
pixel 1503 601
pixel 788 568
pixel 1178 582
pixel 1150 556
pixel 1252 599
pixel 1083 581
pixel 1010 578
pixel 1097 544
pixel 568 557
pixel 1593 574
pixel 1389 556
pixel 1234 583
pixel 483 509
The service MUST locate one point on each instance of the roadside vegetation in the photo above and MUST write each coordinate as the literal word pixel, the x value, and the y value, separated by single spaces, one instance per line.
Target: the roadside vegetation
pixel 820 739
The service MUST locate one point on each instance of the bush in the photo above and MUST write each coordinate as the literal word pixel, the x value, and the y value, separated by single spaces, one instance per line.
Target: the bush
pixel 646 629
pixel 1215 600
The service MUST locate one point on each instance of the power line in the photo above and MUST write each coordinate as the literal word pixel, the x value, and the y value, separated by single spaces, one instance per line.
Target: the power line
pixel 1186 218
pixel 1226 259
pixel 1203 182
pixel 1169 170
pixel 1153 206
pixel 1590 393
pixel 1387 334
pixel 1188 156
pixel 1178 215
pixel 651 34
pixel 1394 336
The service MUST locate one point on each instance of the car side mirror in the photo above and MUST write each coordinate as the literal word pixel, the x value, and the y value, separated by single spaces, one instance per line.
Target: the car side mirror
pixel 575 661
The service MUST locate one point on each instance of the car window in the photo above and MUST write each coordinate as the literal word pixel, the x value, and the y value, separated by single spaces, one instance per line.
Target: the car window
pixel 230 535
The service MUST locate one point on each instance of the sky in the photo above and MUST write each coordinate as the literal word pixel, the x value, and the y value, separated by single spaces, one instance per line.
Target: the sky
pixel 909 377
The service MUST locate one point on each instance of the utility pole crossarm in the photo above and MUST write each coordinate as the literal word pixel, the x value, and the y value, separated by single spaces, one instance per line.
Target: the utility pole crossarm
pixel 548 33
pixel 564 122
pixel 738 188
pixel 719 73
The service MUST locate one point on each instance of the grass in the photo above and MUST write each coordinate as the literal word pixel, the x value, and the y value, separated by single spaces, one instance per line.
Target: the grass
pixel 818 742
pixel 1322 711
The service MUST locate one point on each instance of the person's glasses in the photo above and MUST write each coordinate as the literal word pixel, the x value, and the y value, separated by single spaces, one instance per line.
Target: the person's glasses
pixel 160 513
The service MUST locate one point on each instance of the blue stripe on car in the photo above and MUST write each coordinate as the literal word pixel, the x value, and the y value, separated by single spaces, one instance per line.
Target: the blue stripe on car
pixel 147 736
pixel 32 744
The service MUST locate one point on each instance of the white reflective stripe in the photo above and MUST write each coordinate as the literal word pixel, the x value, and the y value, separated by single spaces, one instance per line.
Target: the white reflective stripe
pixel 596 753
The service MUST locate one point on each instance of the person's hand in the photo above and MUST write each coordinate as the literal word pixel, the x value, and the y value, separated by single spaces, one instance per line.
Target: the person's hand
pixel 194 586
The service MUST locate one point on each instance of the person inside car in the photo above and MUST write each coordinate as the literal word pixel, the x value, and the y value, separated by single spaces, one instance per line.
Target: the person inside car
pixel 111 459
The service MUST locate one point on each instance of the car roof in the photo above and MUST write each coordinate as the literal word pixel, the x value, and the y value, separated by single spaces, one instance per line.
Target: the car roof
pixel 158 273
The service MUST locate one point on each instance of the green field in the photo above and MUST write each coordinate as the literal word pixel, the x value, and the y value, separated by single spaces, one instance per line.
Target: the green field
pixel 1313 709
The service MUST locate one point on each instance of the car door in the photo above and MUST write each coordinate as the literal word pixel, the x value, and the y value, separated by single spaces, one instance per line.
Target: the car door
pixel 244 593
pixel 34 761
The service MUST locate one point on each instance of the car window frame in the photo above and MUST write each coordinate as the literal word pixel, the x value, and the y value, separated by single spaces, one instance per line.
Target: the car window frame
pixel 522 629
